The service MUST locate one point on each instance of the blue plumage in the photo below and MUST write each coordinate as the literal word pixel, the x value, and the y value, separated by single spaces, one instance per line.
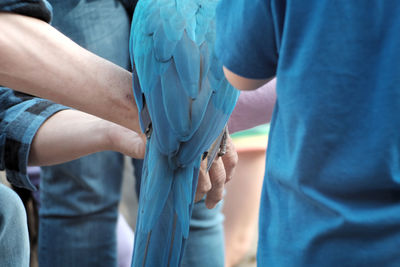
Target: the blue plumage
pixel 178 85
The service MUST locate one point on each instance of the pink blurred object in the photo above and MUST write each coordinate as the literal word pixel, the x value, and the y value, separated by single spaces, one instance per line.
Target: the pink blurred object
pixel 253 108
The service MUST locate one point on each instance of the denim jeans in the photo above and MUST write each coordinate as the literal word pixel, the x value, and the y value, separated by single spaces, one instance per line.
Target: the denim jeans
pixel 205 245
pixel 14 238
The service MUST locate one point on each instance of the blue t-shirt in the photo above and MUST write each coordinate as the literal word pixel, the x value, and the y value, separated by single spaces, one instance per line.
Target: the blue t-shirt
pixel 331 194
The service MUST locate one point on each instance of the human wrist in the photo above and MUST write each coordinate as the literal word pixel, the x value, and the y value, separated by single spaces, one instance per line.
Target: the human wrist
pixel 103 132
pixel 121 139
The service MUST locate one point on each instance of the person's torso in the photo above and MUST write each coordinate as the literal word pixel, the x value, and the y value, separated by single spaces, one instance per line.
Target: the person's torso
pixel 332 187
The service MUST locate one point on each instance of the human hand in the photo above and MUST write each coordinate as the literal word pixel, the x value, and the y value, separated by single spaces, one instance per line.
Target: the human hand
pixel 125 141
pixel 221 171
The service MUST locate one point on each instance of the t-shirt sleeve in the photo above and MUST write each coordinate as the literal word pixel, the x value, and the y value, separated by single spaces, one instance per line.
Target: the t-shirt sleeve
pixel 40 9
pixel 246 39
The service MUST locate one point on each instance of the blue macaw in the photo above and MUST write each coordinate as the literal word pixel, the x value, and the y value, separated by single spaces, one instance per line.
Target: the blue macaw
pixel 184 102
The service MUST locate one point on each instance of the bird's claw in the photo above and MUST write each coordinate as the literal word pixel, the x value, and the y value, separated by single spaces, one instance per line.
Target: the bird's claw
pixel 148 131
pixel 222 146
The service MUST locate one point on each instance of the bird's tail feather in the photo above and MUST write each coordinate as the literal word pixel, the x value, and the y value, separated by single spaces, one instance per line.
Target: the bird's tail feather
pixel 161 241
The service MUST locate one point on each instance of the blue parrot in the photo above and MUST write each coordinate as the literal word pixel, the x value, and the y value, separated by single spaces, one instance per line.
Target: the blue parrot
pixel 184 103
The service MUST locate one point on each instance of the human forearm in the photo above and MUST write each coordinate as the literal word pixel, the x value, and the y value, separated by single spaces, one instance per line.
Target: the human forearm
pixel 253 108
pixel 70 134
pixel 37 59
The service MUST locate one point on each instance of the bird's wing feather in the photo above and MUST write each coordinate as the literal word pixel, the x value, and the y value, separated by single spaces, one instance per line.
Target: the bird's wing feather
pixel 173 54
pixel 181 84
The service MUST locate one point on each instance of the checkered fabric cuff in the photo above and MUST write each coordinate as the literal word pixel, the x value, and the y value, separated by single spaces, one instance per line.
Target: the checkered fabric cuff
pixel 20 123
pixel 40 9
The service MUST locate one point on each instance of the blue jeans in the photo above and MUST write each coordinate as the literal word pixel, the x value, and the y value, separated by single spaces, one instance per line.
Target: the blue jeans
pixel 14 238
pixel 205 245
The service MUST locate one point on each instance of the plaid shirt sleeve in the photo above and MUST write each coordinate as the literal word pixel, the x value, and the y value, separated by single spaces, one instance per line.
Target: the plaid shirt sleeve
pixel 40 9
pixel 20 118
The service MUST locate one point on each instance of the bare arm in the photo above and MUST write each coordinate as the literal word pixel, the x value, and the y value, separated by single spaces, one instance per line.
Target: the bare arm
pixel 253 108
pixel 70 134
pixel 242 83
pixel 37 59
